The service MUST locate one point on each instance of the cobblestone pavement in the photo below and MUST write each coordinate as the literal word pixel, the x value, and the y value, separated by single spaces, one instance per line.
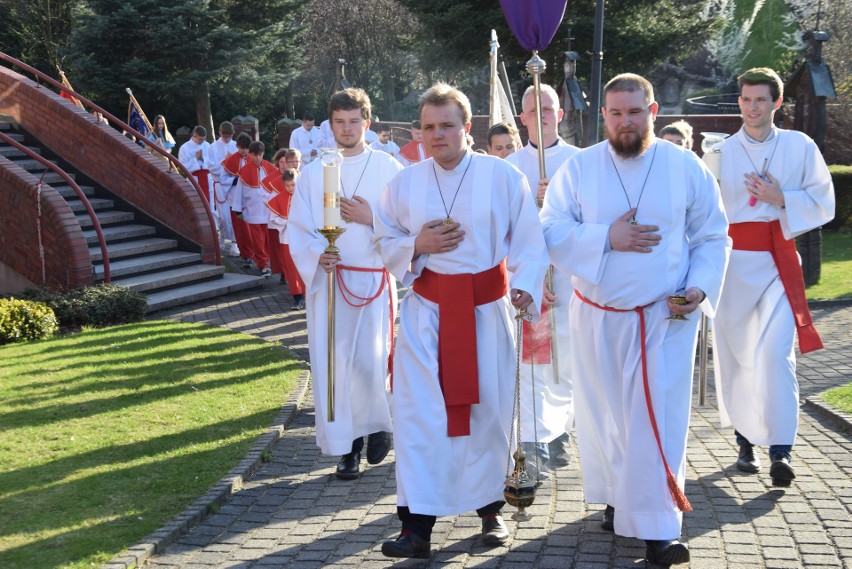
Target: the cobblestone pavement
pixel 295 513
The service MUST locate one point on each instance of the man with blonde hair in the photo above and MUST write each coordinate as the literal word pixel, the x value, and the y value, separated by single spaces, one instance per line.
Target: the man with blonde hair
pixel 454 228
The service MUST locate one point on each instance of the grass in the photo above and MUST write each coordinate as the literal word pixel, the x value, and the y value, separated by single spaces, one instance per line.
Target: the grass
pixel 840 397
pixel 836 273
pixel 107 434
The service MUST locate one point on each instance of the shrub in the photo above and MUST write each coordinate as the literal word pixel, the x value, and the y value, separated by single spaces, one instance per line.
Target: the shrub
pixel 24 320
pixel 842 177
pixel 100 305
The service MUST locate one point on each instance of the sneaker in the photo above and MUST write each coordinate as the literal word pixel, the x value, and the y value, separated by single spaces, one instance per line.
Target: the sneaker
pixel 494 530
pixel 298 304
pixel 266 272
pixel 247 263
pixel 235 251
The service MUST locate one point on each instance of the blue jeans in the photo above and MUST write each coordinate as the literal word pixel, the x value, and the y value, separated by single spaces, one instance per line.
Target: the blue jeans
pixel 783 450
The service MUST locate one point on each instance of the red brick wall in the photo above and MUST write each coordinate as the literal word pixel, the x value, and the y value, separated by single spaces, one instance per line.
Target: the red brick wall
pixel 109 158
pixel 67 260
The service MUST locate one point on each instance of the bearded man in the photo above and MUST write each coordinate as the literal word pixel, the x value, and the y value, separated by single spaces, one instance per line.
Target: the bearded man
pixel 635 220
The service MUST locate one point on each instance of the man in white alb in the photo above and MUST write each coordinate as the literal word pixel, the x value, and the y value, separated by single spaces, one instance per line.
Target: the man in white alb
pixel 193 155
pixel 636 220
pixel 553 408
pixel 775 186
pixel 384 142
pixel 307 139
pixel 223 147
pixel 365 300
pixel 454 228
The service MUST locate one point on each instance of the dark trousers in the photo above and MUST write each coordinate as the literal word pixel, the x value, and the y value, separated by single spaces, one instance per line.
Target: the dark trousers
pixel 783 450
pixel 422 525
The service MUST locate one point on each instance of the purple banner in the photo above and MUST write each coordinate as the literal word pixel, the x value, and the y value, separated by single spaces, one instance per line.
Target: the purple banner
pixel 534 22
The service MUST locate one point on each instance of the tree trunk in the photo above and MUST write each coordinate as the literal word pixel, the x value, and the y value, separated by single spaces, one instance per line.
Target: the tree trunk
pixel 203 113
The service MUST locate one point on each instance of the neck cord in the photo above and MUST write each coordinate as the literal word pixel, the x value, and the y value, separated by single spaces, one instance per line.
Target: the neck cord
pixel 642 191
pixel 361 177
pixel 441 192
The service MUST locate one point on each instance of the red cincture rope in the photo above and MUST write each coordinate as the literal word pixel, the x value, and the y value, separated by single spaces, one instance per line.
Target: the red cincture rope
pixel 365 300
pixel 678 496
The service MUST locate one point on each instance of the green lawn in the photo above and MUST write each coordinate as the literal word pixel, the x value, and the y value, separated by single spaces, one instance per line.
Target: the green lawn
pixel 107 434
pixel 836 273
pixel 840 397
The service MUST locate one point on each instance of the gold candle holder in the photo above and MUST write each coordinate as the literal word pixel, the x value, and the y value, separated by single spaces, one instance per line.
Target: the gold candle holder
pixel 331 234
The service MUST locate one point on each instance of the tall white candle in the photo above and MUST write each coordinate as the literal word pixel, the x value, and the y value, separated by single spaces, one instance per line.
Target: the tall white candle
pixel 331 201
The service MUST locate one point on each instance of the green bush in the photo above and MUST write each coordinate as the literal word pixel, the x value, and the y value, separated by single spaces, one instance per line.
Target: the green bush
pixel 100 305
pixel 24 320
pixel 842 177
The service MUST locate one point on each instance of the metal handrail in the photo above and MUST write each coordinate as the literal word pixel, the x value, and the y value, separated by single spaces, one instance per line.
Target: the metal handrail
pixel 134 132
pixel 89 209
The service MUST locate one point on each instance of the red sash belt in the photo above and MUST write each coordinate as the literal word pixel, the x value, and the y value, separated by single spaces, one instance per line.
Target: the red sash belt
pixel 767 236
pixel 456 297
pixel 356 301
pixel 678 496
pixel 203 181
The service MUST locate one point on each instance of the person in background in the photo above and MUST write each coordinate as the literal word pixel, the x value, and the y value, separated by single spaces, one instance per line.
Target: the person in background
pixel 161 134
pixel 284 187
pixel 221 148
pixel 384 143
pixel 501 140
pixel 307 139
pixel 679 133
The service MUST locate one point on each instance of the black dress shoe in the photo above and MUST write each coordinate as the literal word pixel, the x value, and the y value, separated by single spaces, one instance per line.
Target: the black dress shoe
pixel 666 552
pixel 748 461
pixel 349 467
pixel 378 446
pixel 781 471
pixel 608 522
pixel 558 450
pixel 494 530
pixel 408 544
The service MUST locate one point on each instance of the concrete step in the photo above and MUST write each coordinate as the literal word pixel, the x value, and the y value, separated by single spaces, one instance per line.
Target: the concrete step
pixel 119 233
pixel 109 217
pixel 229 283
pixel 54 178
pixel 172 278
pixel 32 165
pixel 97 204
pixel 147 264
pixel 69 194
pixel 12 153
pixel 132 248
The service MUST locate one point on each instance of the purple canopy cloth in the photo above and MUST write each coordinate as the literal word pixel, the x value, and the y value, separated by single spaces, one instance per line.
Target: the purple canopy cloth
pixel 534 22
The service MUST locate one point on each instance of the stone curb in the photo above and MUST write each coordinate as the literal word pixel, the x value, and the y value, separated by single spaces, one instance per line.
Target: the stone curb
pixel 831 303
pixel 138 554
pixel 843 420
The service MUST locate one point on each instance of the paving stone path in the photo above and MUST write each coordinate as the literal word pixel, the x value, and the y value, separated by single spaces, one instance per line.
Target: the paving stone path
pixel 295 513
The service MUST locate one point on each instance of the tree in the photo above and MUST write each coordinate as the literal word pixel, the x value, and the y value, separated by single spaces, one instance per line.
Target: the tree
pixel 374 37
pixel 638 34
pixel 184 50
pixel 36 32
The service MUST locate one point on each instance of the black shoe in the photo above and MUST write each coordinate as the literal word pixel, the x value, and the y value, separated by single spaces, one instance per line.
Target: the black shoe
pixel 298 304
pixel 748 461
pixel 408 544
pixel 558 451
pixel 378 446
pixel 494 530
pixel 781 471
pixel 349 467
pixel 608 522
pixel 247 263
pixel 666 552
